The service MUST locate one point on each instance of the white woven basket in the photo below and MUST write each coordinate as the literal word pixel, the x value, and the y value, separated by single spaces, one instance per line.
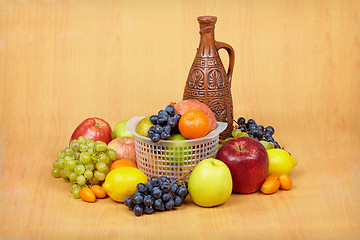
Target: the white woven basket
pixel 174 159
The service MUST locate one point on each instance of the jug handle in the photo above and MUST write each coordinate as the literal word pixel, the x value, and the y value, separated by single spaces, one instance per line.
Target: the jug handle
pixel 231 53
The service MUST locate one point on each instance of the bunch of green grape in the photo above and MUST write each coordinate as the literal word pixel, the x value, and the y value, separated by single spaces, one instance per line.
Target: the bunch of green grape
pixel 83 163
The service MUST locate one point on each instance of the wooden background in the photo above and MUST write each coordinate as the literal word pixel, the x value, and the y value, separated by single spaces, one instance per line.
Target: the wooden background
pixel 297 68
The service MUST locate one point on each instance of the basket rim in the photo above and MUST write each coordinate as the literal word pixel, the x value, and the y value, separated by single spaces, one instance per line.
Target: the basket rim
pixel 132 122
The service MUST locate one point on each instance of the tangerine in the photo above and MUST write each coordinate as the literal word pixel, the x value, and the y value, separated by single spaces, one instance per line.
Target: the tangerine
pixel 122 163
pixel 194 124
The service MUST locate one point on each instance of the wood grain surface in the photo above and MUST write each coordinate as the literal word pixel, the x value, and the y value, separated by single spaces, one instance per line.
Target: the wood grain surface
pixel 297 68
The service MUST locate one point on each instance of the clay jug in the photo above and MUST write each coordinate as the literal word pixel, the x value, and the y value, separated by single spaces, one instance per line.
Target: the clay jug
pixel 208 82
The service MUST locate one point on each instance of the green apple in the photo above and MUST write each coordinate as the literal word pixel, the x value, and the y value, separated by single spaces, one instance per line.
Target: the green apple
pixel 177 151
pixel 210 183
pixel 143 126
pixel 120 130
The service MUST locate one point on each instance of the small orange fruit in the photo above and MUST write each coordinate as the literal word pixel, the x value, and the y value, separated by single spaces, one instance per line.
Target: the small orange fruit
pixel 194 124
pixel 122 163
pixel 87 195
pixel 285 182
pixel 98 191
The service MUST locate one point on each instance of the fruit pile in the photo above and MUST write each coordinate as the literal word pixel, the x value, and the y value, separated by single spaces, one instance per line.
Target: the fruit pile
pixel 100 162
pixel 158 194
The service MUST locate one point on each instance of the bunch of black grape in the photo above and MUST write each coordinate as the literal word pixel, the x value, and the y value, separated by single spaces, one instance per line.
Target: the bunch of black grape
pixel 259 132
pixel 166 122
pixel 158 194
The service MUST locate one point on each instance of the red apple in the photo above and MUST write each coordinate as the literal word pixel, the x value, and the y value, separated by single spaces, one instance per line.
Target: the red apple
pixel 248 162
pixel 124 147
pixel 95 129
pixel 185 105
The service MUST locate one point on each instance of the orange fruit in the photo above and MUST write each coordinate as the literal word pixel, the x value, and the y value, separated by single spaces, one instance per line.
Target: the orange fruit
pixel 194 124
pixel 122 163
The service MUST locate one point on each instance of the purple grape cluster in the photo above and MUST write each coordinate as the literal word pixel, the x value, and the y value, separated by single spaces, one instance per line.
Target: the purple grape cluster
pixel 158 194
pixel 166 123
pixel 259 132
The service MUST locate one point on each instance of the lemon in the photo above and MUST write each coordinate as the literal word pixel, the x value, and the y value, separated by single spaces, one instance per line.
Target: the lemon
pixel 121 183
pixel 280 161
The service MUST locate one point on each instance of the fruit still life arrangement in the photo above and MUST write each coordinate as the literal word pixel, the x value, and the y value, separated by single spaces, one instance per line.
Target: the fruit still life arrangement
pixel 156 163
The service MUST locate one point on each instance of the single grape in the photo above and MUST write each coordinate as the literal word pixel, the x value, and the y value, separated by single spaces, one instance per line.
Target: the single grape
pixel 129 203
pixel 82 140
pixel 156 192
pixel 89 166
pixel 67 172
pixel 241 121
pixel 167 128
pixel 150 134
pixel 70 164
pixel 91 151
pixel 163 113
pixel 149 187
pixel 158 204
pixel 100 146
pixel 76 192
pixel 170 109
pixel 166 187
pixel 99 175
pixel 85 157
pixel 173 122
pixel 61 163
pixel 169 204
pixel 158 129
pixel 83 147
pixel 243 128
pixel 174 188
pixel 260 127
pixel 137 199
pixel 154 119
pixel 270 130
pixel 162 120
pixel 74 144
pixel 149 210
pixel 148 200
pixel 72 177
pixel 81 180
pixel 111 154
pixel 182 192
pixel 138 210
pixel 61 154
pixel 165 135
pixel 141 187
pixel 178 201
pixel 88 174
pixel 100 166
pixel 79 169
pixel 251 121
pixel 156 137
pixel 69 151
pixel 56 172
pixel 103 158
pixel 236 132
pixel 155 181
pixel 73 187
pixel 166 197
pixel 90 143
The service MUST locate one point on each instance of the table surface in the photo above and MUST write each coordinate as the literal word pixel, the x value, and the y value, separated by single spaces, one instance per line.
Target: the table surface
pixel 61 62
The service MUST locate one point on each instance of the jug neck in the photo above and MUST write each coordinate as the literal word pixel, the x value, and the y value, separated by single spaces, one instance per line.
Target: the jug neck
pixel 207 46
